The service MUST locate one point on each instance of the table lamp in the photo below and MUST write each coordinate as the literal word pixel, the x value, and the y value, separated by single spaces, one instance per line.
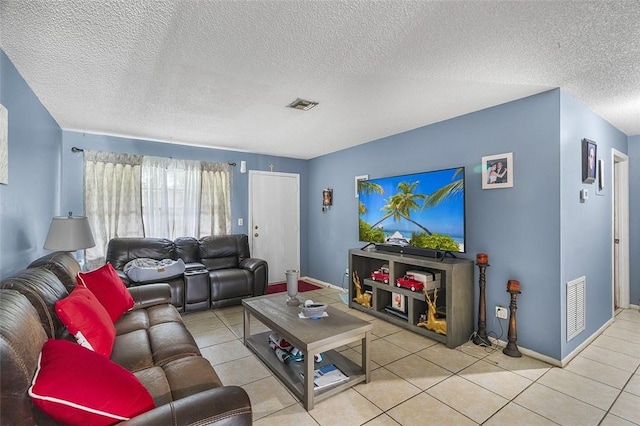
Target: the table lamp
pixel 70 233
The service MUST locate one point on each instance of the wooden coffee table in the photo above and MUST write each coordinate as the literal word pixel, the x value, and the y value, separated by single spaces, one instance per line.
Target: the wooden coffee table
pixel 311 336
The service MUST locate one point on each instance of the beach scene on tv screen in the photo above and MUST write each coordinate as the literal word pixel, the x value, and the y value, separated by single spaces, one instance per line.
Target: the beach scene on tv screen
pixel 424 210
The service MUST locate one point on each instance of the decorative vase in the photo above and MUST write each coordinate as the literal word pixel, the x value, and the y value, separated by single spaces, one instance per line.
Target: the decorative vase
pixel 292 287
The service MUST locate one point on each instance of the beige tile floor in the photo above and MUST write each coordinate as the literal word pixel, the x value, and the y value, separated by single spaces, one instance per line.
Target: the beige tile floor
pixel 416 380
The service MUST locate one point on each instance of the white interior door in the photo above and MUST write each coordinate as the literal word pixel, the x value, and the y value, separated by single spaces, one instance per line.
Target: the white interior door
pixel 274 221
pixel 620 179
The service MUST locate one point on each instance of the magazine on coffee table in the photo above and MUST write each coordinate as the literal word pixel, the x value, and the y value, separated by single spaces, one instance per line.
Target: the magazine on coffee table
pixel 327 376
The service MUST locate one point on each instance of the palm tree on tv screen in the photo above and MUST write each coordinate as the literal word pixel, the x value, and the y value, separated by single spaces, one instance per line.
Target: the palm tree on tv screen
pixel 450 190
pixel 405 201
pixel 368 233
pixel 366 187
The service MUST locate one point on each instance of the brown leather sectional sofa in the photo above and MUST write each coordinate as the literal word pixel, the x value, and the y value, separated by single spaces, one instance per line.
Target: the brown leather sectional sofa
pixel 151 341
pixel 219 269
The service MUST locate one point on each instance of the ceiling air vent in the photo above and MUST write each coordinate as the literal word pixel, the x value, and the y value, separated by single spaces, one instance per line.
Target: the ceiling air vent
pixel 302 104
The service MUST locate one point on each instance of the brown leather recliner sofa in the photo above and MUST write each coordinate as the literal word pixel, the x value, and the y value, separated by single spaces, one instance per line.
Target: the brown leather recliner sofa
pixel 219 269
pixel 151 341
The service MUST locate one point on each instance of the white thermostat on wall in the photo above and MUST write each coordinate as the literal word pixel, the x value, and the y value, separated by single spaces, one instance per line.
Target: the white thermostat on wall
pixel 584 194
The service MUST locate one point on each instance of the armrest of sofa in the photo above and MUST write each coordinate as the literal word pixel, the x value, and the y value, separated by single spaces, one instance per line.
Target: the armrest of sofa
pixel 226 405
pixel 150 295
pixel 260 271
pixel 193 266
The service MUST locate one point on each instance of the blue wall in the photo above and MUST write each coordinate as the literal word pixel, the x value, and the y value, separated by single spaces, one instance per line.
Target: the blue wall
pixel 586 227
pixel 634 223
pixel 532 232
pixel 30 200
pixel 72 176
pixel 518 227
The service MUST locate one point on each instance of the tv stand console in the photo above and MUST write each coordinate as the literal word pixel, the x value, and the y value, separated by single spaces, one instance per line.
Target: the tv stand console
pixel 455 296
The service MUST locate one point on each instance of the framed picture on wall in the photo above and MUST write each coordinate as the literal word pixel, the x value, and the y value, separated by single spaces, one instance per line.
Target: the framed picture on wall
pixel 358 180
pixel 4 145
pixel 600 180
pixel 589 161
pixel 497 171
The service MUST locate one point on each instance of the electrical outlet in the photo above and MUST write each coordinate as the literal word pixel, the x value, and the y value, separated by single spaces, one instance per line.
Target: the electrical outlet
pixel 346 272
pixel 501 312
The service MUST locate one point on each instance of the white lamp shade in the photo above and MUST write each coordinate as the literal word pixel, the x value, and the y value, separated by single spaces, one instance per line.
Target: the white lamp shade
pixel 69 234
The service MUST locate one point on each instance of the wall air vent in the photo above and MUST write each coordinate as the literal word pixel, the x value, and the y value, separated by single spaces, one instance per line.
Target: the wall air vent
pixel 576 299
pixel 302 104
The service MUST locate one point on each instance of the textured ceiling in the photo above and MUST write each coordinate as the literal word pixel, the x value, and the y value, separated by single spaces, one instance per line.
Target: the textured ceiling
pixel 220 73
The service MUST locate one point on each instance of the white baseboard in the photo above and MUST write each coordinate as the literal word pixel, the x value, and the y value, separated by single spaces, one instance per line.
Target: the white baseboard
pixel 586 343
pixel 527 352
pixel 556 362
pixel 502 343
pixel 323 284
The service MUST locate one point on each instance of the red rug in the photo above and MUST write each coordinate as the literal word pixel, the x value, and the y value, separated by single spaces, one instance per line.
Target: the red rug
pixel 282 287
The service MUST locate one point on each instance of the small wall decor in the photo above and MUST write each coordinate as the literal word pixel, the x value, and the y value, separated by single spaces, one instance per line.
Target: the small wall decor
pixel 600 186
pixel 589 160
pixel 497 171
pixel 327 199
pixel 358 179
pixel 4 145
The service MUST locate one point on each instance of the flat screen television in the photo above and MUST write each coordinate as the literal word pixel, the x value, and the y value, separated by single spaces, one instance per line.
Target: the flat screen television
pixel 420 211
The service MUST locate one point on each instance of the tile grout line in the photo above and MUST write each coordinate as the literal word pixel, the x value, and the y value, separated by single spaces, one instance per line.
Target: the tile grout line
pixel 617 397
pixel 477 359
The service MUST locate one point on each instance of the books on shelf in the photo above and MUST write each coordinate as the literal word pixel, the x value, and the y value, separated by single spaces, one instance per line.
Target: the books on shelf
pixel 400 314
pixel 326 376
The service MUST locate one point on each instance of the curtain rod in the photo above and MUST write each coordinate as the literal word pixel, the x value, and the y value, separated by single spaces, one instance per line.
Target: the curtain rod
pixel 76 149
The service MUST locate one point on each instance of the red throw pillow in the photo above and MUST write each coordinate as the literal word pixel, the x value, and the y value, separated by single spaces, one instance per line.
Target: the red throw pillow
pixel 76 386
pixel 87 320
pixel 105 283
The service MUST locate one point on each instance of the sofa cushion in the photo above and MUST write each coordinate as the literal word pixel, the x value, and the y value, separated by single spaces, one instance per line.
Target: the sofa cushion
pixel 155 381
pixel 43 289
pixel 21 338
pixel 87 320
pixel 76 386
pixel 131 321
pixel 230 284
pixel 223 251
pixel 152 337
pixel 189 375
pixel 122 250
pixel 109 289
pixel 152 270
pixel 188 249
pixel 133 351
pixel 170 341
pixel 62 264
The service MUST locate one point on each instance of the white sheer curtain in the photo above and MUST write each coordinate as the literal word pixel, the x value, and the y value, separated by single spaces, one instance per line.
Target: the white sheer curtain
pixel 215 213
pixel 170 197
pixel 111 200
